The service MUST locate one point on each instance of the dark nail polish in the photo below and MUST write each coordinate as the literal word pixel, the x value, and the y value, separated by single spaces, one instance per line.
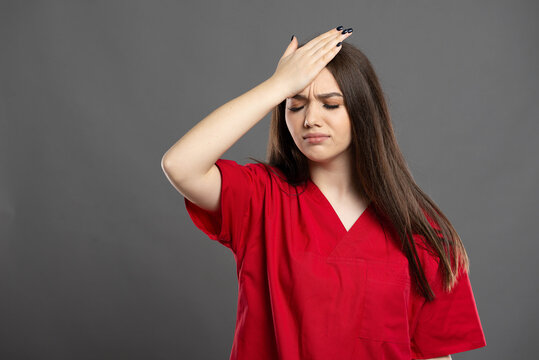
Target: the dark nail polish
pixel 350 30
pixel 292 38
pixel 344 31
pixel 340 27
pixel 339 44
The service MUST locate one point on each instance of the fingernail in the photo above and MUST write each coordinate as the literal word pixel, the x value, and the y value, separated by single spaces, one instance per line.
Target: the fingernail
pixel 339 44
pixel 350 30
pixel 292 38
pixel 340 27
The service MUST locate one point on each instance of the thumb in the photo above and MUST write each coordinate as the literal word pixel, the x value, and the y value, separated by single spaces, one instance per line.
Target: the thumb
pixel 291 47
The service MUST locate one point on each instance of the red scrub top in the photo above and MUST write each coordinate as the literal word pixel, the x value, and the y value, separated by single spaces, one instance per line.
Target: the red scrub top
pixel 310 289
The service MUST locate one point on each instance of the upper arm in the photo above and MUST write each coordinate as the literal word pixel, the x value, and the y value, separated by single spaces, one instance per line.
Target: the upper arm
pixel 449 323
pixel 204 191
pixel 221 202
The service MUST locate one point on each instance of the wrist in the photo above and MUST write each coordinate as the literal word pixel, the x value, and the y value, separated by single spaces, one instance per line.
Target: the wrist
pixel 276 89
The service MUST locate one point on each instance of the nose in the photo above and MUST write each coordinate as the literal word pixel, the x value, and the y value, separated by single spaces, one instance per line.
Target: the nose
pixel 311 117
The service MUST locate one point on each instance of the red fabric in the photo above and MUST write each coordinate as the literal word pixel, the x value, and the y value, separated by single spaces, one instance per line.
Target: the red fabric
pixel 310 289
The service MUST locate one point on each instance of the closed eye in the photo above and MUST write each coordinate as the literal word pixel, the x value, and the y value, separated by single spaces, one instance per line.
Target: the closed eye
pixel 326 105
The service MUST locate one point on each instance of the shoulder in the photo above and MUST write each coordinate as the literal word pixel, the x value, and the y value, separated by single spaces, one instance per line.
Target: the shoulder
pixel 269 175
pixel 253 172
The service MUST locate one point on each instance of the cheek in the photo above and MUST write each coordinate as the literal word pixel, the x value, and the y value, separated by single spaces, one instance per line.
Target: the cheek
pixel 344 132
pixel 294 127
pixel 292 130
pixel 289 126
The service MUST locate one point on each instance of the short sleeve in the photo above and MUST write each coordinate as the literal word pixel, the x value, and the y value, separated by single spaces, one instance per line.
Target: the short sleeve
pixel 448 324
pixel 225 224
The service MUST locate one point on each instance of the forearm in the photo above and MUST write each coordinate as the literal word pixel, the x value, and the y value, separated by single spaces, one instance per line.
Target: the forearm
pixel 195 152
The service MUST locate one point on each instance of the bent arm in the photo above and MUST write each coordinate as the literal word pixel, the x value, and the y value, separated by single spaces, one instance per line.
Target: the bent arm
pixel 194 154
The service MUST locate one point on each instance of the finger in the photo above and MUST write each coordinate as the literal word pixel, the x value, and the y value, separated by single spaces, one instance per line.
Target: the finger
pixel 291 47
pixel 323 39
pixel 320 38
pixel 325 54
pixel 331 40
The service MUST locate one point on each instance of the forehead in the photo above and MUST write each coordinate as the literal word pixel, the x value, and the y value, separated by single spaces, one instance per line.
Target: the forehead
pixel 324 83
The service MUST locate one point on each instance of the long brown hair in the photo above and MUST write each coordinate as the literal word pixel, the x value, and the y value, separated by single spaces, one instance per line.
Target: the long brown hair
pixel 379 167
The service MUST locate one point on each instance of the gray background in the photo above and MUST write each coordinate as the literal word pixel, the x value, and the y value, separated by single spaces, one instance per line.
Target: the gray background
pixel 98 256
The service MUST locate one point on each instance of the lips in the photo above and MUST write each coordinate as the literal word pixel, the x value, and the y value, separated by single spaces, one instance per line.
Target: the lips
pixel 315 135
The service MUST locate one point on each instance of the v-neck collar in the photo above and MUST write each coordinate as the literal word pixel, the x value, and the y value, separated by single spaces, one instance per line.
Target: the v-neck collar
pixel 315 190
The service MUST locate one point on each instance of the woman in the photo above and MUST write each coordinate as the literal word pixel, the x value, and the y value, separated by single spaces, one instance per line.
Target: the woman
pixel 340 255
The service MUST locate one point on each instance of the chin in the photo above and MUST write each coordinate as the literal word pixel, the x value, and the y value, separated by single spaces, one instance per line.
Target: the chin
pixel 318 159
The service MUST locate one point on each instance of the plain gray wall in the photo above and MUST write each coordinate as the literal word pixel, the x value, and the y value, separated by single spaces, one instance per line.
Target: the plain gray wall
pixel 98 256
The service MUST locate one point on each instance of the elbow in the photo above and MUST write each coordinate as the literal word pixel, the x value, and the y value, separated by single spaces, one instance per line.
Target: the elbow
pixel 165 163
pixel 168 167
pixel 174 172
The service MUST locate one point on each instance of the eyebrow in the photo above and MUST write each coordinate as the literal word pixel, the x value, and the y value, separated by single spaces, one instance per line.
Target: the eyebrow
pixel 319 96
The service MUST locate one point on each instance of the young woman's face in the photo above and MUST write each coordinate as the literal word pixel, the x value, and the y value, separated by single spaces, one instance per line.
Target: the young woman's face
pixel 319 115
